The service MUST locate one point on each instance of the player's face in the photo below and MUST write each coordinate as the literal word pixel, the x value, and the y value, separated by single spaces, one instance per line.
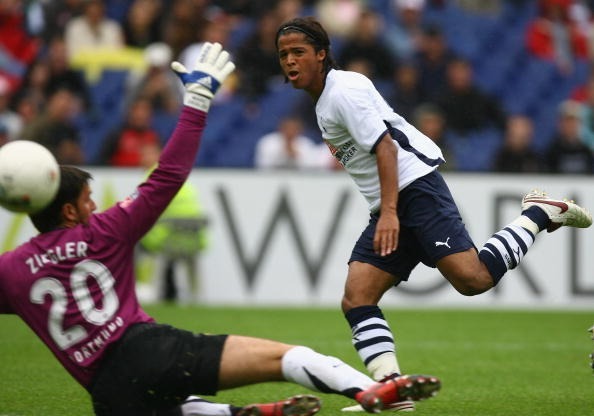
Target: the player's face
pixel 85 205
pixel 301 64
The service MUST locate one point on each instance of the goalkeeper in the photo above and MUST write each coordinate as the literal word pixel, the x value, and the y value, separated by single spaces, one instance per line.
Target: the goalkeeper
pixel 73 284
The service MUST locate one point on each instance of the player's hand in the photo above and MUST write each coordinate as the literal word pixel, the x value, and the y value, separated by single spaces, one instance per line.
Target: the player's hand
pixel 212 67
pixel 385 240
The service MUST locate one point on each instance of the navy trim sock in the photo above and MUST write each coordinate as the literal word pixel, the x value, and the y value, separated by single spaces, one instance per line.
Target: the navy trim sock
pixel 538 216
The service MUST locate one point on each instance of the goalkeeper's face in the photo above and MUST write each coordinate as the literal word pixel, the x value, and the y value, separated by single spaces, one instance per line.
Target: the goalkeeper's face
pixel 81 210
pixel 301 63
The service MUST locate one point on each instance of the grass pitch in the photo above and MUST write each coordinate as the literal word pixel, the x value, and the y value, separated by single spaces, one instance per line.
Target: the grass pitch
pixel 491 363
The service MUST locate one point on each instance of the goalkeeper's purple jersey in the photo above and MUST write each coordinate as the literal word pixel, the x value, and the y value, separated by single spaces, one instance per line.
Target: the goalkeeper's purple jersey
pixel 75 286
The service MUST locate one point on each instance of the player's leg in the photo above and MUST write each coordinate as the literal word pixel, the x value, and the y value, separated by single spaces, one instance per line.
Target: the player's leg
pixel 466 273
pixel 300 405
pixel 371 333
pixel 247 360
pixel 472 273
pixel 370 276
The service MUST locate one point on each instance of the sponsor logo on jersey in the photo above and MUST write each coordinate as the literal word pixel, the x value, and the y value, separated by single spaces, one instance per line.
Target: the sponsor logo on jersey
pixel 344 153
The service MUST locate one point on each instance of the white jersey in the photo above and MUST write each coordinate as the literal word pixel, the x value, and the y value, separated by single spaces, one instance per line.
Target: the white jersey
pixel 353 117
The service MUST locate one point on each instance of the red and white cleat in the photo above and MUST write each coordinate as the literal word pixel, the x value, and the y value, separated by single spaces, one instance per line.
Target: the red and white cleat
pixel 301 405
pixel 403 406
pixel 403 388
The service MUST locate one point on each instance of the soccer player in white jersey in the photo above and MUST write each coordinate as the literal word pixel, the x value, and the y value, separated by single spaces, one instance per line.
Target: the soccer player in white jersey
pixel 73 285
pixel 413 215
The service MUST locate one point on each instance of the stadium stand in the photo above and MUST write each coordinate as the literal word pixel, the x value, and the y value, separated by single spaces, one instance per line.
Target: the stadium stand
pixel 494 44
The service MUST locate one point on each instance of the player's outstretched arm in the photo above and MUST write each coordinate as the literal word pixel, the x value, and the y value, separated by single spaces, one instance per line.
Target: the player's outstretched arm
pixel 211 69
pixel 179 154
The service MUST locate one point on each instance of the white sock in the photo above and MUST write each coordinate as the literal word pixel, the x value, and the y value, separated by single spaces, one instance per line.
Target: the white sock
pixel 196 406
pixel 323 373
pixel 383 365
pixel 526 223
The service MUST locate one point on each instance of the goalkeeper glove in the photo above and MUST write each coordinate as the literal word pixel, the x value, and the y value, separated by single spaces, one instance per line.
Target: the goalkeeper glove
pixel 211 69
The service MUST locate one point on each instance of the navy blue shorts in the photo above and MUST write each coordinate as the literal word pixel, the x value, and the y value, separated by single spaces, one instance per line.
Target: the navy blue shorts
pixel 153 368
pixel 430 228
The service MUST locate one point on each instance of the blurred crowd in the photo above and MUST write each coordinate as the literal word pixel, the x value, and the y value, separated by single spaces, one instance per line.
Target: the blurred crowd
pixel 57 57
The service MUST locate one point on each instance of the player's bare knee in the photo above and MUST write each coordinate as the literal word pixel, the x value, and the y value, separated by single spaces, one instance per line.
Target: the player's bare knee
pixel 346 304
pixel 472 286
pixel 353 298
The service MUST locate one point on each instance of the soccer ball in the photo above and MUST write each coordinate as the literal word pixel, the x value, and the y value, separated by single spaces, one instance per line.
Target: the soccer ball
pixel 29 176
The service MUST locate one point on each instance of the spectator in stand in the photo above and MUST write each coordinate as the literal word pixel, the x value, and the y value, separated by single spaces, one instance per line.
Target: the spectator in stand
pixel 288 148
pixel 339 17
pixel 217 28
pixel 517 155
pixel 465 106
pixel 256 57
pixel 51 72
pixel 360 65
pixel 142 26
pixel 581 16
pixel 54 128
pixel 429 120
pixel 27 110
pixel 35 84
pixel 487 7
pixel 406 95
pixel 158 84
pixel 567 153
pixel 62 76
pixel 124 146
pixel 366 43
pixel 553 36
pixel 581 92
pixel 240 9
pixel 182 17
pixel 93 30
pixel 288 9
pixel 18 49
pixel 10 120
pixel 403 33
pixel 304 111
pixel 56 14
pixel 585 95
pixel 432 61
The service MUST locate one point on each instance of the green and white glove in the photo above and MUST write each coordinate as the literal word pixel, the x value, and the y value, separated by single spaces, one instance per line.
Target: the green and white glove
pixel 211 69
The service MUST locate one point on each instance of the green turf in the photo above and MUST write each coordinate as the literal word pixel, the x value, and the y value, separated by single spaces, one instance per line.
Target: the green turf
pixel 491 362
